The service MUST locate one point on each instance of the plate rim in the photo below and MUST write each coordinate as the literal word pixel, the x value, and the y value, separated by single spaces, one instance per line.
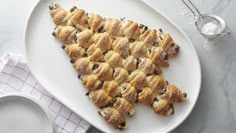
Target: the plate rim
pixel 26 97
pixel 156 11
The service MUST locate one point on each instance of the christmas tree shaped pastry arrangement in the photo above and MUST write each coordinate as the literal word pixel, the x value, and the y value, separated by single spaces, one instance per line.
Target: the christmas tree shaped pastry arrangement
pixel 119 62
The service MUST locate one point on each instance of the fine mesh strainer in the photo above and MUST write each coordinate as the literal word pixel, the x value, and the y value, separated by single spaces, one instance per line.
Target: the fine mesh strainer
pixel 208 25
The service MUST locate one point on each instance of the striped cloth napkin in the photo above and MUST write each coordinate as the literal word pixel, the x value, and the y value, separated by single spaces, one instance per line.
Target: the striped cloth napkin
pixel 15 77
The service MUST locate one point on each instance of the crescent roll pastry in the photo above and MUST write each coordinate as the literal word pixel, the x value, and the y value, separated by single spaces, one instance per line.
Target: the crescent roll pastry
pixel 95 21
pixel 172 94
pixel 159 56
pixel 138 79
pixel 94 53
pixel 113 117
pixel 130 63
pixel 156 83
pixel 113 27
pixel 103 41
pixel 111 87
pixel 163 107
pixel 146 96
pixel 168 45
pixel 65 34
pixel 120 75
pixel 104 72
pixel 130 29
pixel 123 106
pixel 128 92
pixel 149 37
pixel 91 82
pixel 113 59
pixel 74 51
pixel 138 49
pixel 84 38
pixel 147 66
pixel 83 66
pixel 119 62
pixel 121 46
pixel 59 15
pixel 78 18
pixel 100 98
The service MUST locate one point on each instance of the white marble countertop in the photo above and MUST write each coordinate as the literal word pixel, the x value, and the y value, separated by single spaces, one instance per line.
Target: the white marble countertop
pixel 215 111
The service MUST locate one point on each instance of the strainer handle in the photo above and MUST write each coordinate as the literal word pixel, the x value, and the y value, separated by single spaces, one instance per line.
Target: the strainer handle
pixel 189 4
pixel 226 32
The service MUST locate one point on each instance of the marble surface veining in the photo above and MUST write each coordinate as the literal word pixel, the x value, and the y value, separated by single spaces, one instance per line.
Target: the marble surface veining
pixel 215 111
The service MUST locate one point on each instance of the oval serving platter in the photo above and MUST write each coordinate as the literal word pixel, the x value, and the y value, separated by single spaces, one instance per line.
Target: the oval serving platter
pixel 51 66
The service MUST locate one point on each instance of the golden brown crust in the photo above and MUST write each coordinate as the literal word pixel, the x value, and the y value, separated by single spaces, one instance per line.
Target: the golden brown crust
pixel 172 94
pixel 111 87
pixel 124 107
pixel 159 56
pixel 100 98
pixel 94 53
pixel 156 83
pixel 104 72
pixel 103 41
pixel 121 46
pixel 66 34
pixel 162 107
pixel 120 75
pixel 91 82
pixel 131 29
pixel 128 92
pixel 138 79
pixel 146 96
pixel 149 37
pixel 113 117
pixel 129 63
pixel 83 66
pixel 113 27
pixel 84 38
pixel 113 59
pixel 79 19
pixel 74 51
pixel 59 15
pixel 95 21
pixel 138 49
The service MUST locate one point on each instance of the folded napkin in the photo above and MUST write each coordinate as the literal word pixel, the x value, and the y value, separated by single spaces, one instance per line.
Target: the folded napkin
pixel 15 77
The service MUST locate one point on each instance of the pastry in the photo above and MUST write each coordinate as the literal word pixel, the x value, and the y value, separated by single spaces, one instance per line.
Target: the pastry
pixel 119 62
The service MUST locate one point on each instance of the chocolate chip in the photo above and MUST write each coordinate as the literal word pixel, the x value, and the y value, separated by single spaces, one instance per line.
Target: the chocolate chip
pixel 123 124
pixel 100 86
pixel 160 30
pixel 172 44
pixel 95 66
pixel 161 37
pixel 54 33
pixel 51 7
pixel 141 26
pixel 101 29
pixel 99 113
pixel 78 30
pixel 177 48
pixel 73 8
pixel 155 44
pixel 166 57
pixel 167 82
pixel 149 50
pixel 122 19
pixel 63 46
pixel 162 91
pixel 79 76
pixel 145 28
pixel 139 90
pixel 87 93
pixel 72 61
pixel 185 94
pixel 173 109
pixel 156 99
pixel 131 40
pixel 136 101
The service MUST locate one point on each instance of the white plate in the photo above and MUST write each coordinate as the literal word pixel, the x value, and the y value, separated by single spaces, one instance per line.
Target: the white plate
pixel 51 66
pixel 23 114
